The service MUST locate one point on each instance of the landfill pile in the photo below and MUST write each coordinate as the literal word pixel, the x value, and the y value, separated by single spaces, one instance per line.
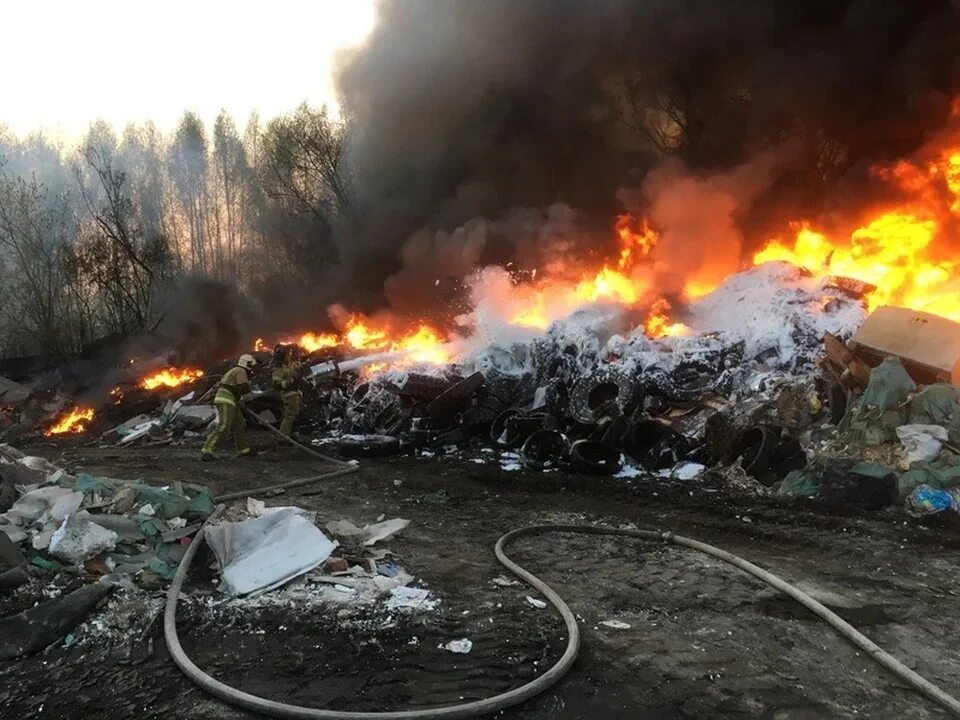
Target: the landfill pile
pixel 87 558
pixel 764 385
pixel 584 395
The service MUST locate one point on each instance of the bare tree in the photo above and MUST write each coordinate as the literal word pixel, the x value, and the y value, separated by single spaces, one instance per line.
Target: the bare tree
pixel 113 256
pixel 34 227
pixel 304 163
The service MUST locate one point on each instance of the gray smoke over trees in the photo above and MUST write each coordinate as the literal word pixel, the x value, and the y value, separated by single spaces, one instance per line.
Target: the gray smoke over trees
pixel 127 233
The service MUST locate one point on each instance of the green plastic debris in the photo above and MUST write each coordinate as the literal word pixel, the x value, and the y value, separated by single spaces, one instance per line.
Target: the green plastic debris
pixel 941 474
pixel 799 483
pixel 177 500
pixel 872 470
pixel 935 405
pixel 41 562
pixel 90 485
pixel 889 386
pixel 875 417
pixel 201 501
pixel 162 570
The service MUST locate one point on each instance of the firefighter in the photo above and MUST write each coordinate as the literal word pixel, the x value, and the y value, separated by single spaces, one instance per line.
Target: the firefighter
pixel 286 379
pixel 231 389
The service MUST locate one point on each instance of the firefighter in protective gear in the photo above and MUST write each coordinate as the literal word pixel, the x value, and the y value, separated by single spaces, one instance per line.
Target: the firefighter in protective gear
pixel 286 379
pixel 231 389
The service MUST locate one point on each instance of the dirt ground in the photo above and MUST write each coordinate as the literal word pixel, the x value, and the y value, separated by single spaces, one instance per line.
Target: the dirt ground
pixel 705 641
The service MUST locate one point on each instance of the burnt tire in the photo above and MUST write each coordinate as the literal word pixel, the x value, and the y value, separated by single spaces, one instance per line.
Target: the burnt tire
pixel 594 458
pixel 367 446
pixel 544 449
pixel 757 447
pixel 456 398
pixel 423 387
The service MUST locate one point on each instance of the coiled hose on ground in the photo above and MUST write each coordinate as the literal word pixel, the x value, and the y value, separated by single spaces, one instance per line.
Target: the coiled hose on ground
pixel 505 700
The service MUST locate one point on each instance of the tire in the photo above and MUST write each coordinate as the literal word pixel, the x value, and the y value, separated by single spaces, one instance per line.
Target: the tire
pixel 423 387
pixel 456 398
pixel 368 446
pixel 757 447
pixel 594 458
pixel 544 449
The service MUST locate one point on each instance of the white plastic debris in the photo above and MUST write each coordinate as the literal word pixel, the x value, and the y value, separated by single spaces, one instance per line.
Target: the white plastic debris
pixel 262 553
pixel 629 471
pixel 536 603
pixel 615 624
pixel 369 534
pixel 461 647
pixel 503 581
pixel 255 507
pixel 176 523
pixel 687 470
pixel 922 443
pixel 412 598
pixel 36 505
pixel 66 505
pixel 139 431
pixel 78 539
pixel 147 509
pixel 40 464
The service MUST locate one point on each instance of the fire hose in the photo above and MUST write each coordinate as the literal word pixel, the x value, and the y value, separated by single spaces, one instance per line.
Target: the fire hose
pixel 343 468
pixel 494 704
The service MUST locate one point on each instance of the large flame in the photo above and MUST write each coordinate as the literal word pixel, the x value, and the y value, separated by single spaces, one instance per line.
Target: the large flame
pixel 74 421
pixel 170 377
pixel 423 346
pixel 895 249
pixel 311 342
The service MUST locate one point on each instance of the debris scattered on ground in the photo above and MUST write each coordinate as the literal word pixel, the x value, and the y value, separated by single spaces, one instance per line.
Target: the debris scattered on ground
pixel 539 604
pixel 460 647
pixel 615 624
pixel 264 552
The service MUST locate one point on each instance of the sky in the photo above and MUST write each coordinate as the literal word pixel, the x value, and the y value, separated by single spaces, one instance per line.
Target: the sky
pixel 68 63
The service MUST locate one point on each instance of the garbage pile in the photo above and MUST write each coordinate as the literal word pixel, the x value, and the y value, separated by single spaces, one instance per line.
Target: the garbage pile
pixel 68 541
pixel 584 395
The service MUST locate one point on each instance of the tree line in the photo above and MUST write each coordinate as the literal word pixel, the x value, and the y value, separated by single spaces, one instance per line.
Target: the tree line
pixel 92 233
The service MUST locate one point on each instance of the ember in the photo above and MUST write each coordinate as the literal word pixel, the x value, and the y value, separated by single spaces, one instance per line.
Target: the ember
pixel 73 422
pixel 170 377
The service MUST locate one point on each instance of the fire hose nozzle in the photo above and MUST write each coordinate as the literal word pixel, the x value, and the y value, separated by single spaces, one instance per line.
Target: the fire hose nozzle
pixel 325 372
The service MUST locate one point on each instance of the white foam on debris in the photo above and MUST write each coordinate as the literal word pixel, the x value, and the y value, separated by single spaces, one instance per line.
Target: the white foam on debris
pixel 775 308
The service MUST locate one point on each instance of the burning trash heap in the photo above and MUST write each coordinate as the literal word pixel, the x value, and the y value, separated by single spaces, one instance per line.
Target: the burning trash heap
pixel 634 363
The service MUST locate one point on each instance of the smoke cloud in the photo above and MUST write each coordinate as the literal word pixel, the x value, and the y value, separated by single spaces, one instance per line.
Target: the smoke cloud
pixel 463 112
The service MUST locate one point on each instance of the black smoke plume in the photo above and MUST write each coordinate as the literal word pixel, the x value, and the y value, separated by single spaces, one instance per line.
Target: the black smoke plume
pixel 464 112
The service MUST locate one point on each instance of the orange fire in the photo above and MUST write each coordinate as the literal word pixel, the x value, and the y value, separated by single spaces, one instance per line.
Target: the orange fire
pixel 362 337
pixel 424 346
pixel 170 377
pixel 658 323
pixel 73 422
pixel 891 252
pixel 258 345
pixel 311 342
pixel 623 282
